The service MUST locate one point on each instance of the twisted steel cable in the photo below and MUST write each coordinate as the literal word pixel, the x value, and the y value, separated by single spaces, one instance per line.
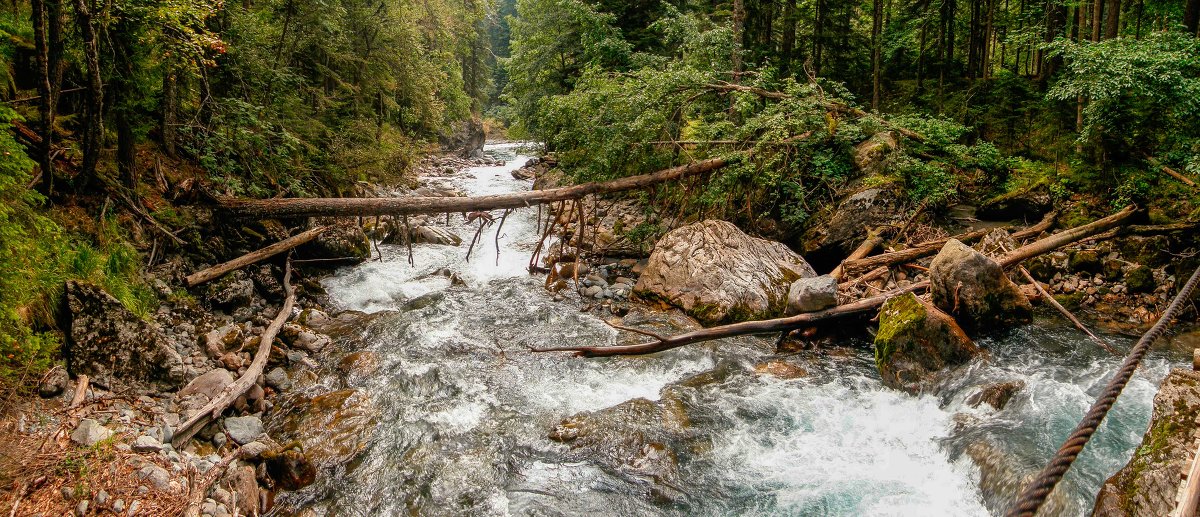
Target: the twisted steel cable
pixel 1035 493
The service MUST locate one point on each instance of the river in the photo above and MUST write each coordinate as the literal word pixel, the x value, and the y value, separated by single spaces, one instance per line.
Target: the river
pixel 464 409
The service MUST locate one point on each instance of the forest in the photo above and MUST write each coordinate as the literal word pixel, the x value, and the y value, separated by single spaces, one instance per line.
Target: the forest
pixel 131 127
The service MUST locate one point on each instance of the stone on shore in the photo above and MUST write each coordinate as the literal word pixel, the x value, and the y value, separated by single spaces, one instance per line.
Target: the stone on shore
pixel 915 341
pixel 812 294
pixel 112 345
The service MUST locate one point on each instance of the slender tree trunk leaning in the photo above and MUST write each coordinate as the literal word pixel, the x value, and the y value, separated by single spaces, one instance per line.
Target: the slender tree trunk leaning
pixel 218 270
pixel 227 396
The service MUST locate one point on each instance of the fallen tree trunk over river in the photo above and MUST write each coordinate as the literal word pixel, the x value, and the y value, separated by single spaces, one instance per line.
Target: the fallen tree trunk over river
pixel 334 207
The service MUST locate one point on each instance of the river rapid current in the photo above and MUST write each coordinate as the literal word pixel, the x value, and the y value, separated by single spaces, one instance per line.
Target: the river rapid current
pixel 463 410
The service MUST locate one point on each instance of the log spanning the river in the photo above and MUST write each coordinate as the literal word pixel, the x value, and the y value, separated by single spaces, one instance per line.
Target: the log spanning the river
pixel 350 207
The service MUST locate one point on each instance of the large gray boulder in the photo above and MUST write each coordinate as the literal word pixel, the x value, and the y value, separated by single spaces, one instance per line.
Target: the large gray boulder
pixel 870 155
pixel 112 345
pixel 832 236
pixel 716 273
pixel 812 294
pixel 915 341
pixel 1150 481
pixel 974 289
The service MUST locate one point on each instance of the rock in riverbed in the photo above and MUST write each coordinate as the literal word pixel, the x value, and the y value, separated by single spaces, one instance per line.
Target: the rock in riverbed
pixel 915 340
pixel 717 273
pixel 974 289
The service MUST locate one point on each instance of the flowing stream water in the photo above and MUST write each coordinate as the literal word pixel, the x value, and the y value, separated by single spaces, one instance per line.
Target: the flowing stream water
pixel 464 409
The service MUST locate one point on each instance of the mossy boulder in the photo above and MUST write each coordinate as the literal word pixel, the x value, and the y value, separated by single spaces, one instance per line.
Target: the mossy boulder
pixel 718 274
pixel 1150 481
pixel 974 289
pixel 1085 261
pixel 1140 279
pixel 915 341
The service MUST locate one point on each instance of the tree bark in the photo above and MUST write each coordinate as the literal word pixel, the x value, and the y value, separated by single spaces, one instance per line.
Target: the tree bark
pixel 787 42
pixel 853 267
pixel 332 207
pixel 876 51
pixel 1191 16
pixel 93 125
pixel 1112 20
pixel 1063 238
pixel 216 271
pixel 168 126
pixel 227 396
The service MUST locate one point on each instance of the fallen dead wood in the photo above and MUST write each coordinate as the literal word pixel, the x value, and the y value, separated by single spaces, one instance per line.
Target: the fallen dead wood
pixel 1067 314
pixel 1171 172
pixel 238 387
pixel 771 326
pixel 1037 229
pixel 873 240
pixel 199 489
pixel 907 255
pixel 1066 237
pixel 334 207
pixel 216 271
pixel 1144 230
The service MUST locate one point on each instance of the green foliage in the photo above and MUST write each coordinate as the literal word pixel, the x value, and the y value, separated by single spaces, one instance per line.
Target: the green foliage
pixel 1140 93
pixel 37 256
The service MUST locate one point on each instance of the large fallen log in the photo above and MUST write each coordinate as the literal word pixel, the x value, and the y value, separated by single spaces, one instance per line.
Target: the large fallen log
pixel 216 271
pixel 229 395
pixel 1065 237
pixel 342 207
pixel 873 240
pixel 771 326
pixel 853 267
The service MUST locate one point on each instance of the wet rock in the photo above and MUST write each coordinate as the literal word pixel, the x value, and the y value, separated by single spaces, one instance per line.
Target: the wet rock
pixel 996 395
pixel 157 476
pixel 243 484
pixel 290 469
pixel 833 235
pixel 342 242
pixel 54 382
pixel 268 280
pixel 253 450
pixel 232 291
pixel 435 235
pixel 89 432
pixel 312 318
pixel 717 274
pixel 636 438
pixel 112 345
pixel 331 430
pixel 222 339
pixel 781 369
pixel 357 366
pixel 1148 484
pixel 974 289
pixel 209 384
pixel 1085 261
pixel 871 155
pixel 278 378
pixel 915 340
pixel 812 294
pixel 1140 279
pixel 244 429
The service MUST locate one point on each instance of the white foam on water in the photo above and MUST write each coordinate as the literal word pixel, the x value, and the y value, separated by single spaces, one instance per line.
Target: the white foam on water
pixel 842 448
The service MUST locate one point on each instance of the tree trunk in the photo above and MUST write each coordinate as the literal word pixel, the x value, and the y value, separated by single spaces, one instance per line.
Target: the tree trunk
pixel 739 21
pixel 170 102
pixel 93 122
pixel 818 34
pixel 39 18
pixel 787 41
pixel 344 207
pixel 1191 16
pixel 876 51
pixel 1112 22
